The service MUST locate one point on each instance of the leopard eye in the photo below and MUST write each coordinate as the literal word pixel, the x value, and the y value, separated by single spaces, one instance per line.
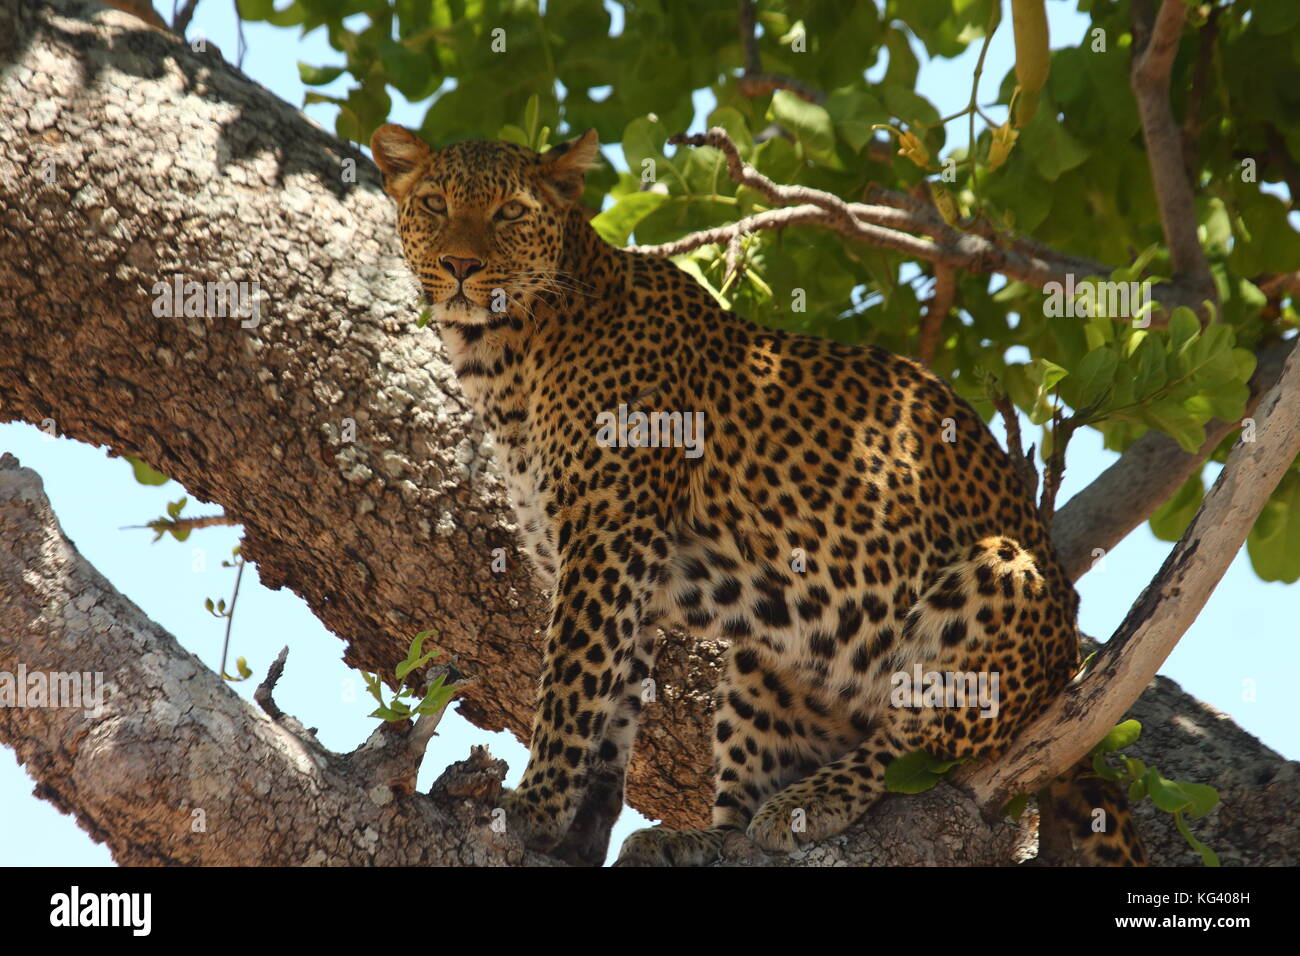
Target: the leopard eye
pixel 434 203
pixel 511 210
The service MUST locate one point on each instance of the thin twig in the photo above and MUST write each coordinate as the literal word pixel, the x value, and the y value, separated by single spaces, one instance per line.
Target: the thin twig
pixel 230 617
pixel 945 290
pixel 744 174
pixel 1063 428
pixel 184 524
pixel 890 225
pixel 181 23
pixel 1022 461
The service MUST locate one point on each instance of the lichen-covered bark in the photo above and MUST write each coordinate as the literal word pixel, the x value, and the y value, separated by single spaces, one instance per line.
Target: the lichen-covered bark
pixel 175 768
pixel 167 161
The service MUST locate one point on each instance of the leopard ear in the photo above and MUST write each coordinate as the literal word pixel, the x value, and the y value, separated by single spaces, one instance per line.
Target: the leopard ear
pixel 564 164
pixel 398 153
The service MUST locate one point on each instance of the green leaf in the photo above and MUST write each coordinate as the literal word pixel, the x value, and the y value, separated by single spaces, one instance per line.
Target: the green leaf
pixel 318 75
pixel 1050 149
pixel 810 123
pixel 1174 796
pixel 733 121
pixel 1015 807
pixel 406 69
pixel 1204 798
pixel 532 118
pixel 1170 520
pixel 1274 542
pixel 617 223
pixel 1208 856
pixel 854 113
pixel 1102 768
pixel 1134 769
pixel 1093 376
pixel 145 474
pixel 1183 327
pixel 908 105
pixel 1120 736
pixel 916 772
pixel 437 698
pixel 1174 420
pixel 1046 373
pixel 374 687
pixel 255 9
pixel 1149 362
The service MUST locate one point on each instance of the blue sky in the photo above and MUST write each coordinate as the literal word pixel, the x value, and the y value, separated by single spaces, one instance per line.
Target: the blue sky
pixel 1240 656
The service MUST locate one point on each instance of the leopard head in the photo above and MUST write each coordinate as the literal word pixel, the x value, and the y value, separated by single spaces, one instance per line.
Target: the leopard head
pixel 482 225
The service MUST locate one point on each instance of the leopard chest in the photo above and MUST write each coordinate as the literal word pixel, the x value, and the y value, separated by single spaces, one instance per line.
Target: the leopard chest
pixel 525 477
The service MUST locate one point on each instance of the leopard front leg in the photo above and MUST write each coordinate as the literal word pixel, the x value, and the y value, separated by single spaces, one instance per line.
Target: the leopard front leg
pixel 765 736
pixel 590 693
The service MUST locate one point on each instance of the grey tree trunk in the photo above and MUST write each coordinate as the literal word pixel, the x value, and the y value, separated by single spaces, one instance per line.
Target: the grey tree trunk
pixel 335 433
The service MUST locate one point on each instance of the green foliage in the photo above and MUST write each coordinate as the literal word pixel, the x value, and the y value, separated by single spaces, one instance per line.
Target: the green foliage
pixel 1274 542
pixel 1074 176
pixel 1172 796
pixel 916 772
pixel 145 474
pixel 435 699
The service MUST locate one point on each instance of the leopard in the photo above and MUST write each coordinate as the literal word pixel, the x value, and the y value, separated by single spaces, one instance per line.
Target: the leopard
pixel 835 515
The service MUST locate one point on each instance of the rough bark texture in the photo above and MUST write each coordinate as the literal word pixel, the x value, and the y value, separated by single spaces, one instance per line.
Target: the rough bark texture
pixel 172 747
pixel 168 162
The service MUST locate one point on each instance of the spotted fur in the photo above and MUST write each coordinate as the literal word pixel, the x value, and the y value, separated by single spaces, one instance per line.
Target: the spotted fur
pixel 850 517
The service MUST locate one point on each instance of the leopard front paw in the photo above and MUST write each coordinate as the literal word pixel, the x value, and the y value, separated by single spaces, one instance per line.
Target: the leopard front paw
pixel 792 819
pixel 662 847
pixel 536 816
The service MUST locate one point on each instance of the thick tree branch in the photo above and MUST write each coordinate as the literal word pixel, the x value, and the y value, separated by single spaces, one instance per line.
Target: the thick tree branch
pixel 172 767
pixel 1155 46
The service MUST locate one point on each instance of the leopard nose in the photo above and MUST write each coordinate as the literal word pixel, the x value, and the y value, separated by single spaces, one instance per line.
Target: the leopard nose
pixel 460 268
